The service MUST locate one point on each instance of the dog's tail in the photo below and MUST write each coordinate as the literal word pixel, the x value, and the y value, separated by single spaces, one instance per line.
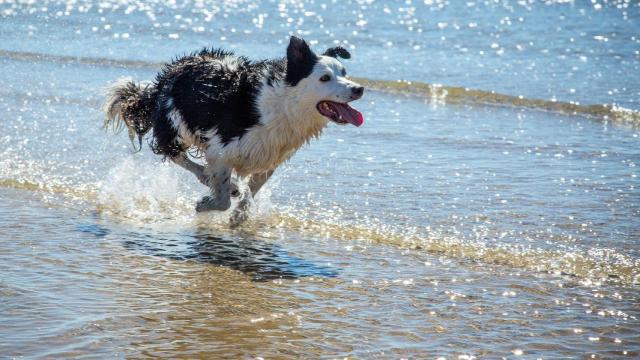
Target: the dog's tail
pixel 130 105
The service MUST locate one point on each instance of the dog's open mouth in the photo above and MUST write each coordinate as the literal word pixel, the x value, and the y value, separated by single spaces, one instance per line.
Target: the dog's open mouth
pixel 340 113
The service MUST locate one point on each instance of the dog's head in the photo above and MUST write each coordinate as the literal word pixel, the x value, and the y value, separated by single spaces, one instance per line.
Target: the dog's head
pixel 322 80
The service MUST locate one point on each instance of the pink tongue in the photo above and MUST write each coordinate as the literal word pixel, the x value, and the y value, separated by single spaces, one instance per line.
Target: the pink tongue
pixel 350 114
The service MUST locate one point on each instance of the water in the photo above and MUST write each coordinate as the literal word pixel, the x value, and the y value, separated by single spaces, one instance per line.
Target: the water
pixel 443 227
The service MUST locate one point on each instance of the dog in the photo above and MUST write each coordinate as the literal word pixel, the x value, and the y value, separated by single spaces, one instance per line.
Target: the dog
pixel 245 117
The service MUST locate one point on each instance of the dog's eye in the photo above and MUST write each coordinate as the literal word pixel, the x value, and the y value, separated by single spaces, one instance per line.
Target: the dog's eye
pixel 325 78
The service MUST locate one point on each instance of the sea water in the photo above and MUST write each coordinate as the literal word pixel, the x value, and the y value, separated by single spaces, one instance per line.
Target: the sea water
pixel 489 206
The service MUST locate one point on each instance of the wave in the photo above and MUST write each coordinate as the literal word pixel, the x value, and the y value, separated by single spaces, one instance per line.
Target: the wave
pixel 67 59
pixel 466 96
pixel 430 92
pixel 623 269
pixel 145 203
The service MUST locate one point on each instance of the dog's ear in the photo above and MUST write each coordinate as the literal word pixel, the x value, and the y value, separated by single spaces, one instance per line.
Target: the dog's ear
pixel 300 60
pixel 336 52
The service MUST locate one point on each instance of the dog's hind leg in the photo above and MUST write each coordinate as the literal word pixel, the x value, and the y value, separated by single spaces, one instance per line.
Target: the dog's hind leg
pixel 241 212
pixel 198 171
pixel 219 179
pixel 195 169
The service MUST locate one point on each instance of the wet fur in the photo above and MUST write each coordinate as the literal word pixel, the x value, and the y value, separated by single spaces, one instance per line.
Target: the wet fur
pixel 245 116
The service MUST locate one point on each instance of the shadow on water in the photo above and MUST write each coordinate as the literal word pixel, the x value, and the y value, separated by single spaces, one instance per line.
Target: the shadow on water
pixel 261 260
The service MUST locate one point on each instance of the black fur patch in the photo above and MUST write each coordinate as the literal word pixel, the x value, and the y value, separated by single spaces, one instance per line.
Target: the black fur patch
pixel 165 138
pixel 336 52
pixel 300 60
pixel 210 89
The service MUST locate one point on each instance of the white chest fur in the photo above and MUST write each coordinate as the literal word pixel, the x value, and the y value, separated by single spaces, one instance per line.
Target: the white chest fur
pixel 265 146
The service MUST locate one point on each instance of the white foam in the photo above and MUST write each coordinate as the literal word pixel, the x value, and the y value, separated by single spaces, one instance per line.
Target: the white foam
pixel 148 191
pixel 153 192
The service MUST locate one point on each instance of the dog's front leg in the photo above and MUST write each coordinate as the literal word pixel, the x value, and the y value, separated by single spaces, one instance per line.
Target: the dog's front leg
pixel 199 171
pixel 220 185
pixel 240 214
pixel 195 169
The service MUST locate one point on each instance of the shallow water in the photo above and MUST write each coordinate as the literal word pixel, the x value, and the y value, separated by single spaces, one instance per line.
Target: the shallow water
pixel 437 229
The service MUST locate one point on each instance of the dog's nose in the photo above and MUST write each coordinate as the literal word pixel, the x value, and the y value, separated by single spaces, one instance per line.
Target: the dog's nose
pixel 358 91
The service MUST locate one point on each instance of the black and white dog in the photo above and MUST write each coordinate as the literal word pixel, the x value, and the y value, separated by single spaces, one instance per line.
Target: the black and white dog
pixel 245 116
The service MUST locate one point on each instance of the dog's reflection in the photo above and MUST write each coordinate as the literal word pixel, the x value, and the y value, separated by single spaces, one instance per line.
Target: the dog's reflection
pixel 261 260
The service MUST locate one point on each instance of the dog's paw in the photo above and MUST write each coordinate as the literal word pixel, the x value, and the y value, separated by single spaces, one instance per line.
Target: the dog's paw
pixel 209 203
pixel 242 211
pixel 238 218
pixel 203 204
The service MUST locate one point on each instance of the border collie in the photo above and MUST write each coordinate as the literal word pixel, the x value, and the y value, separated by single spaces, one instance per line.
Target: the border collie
pixel 246 117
